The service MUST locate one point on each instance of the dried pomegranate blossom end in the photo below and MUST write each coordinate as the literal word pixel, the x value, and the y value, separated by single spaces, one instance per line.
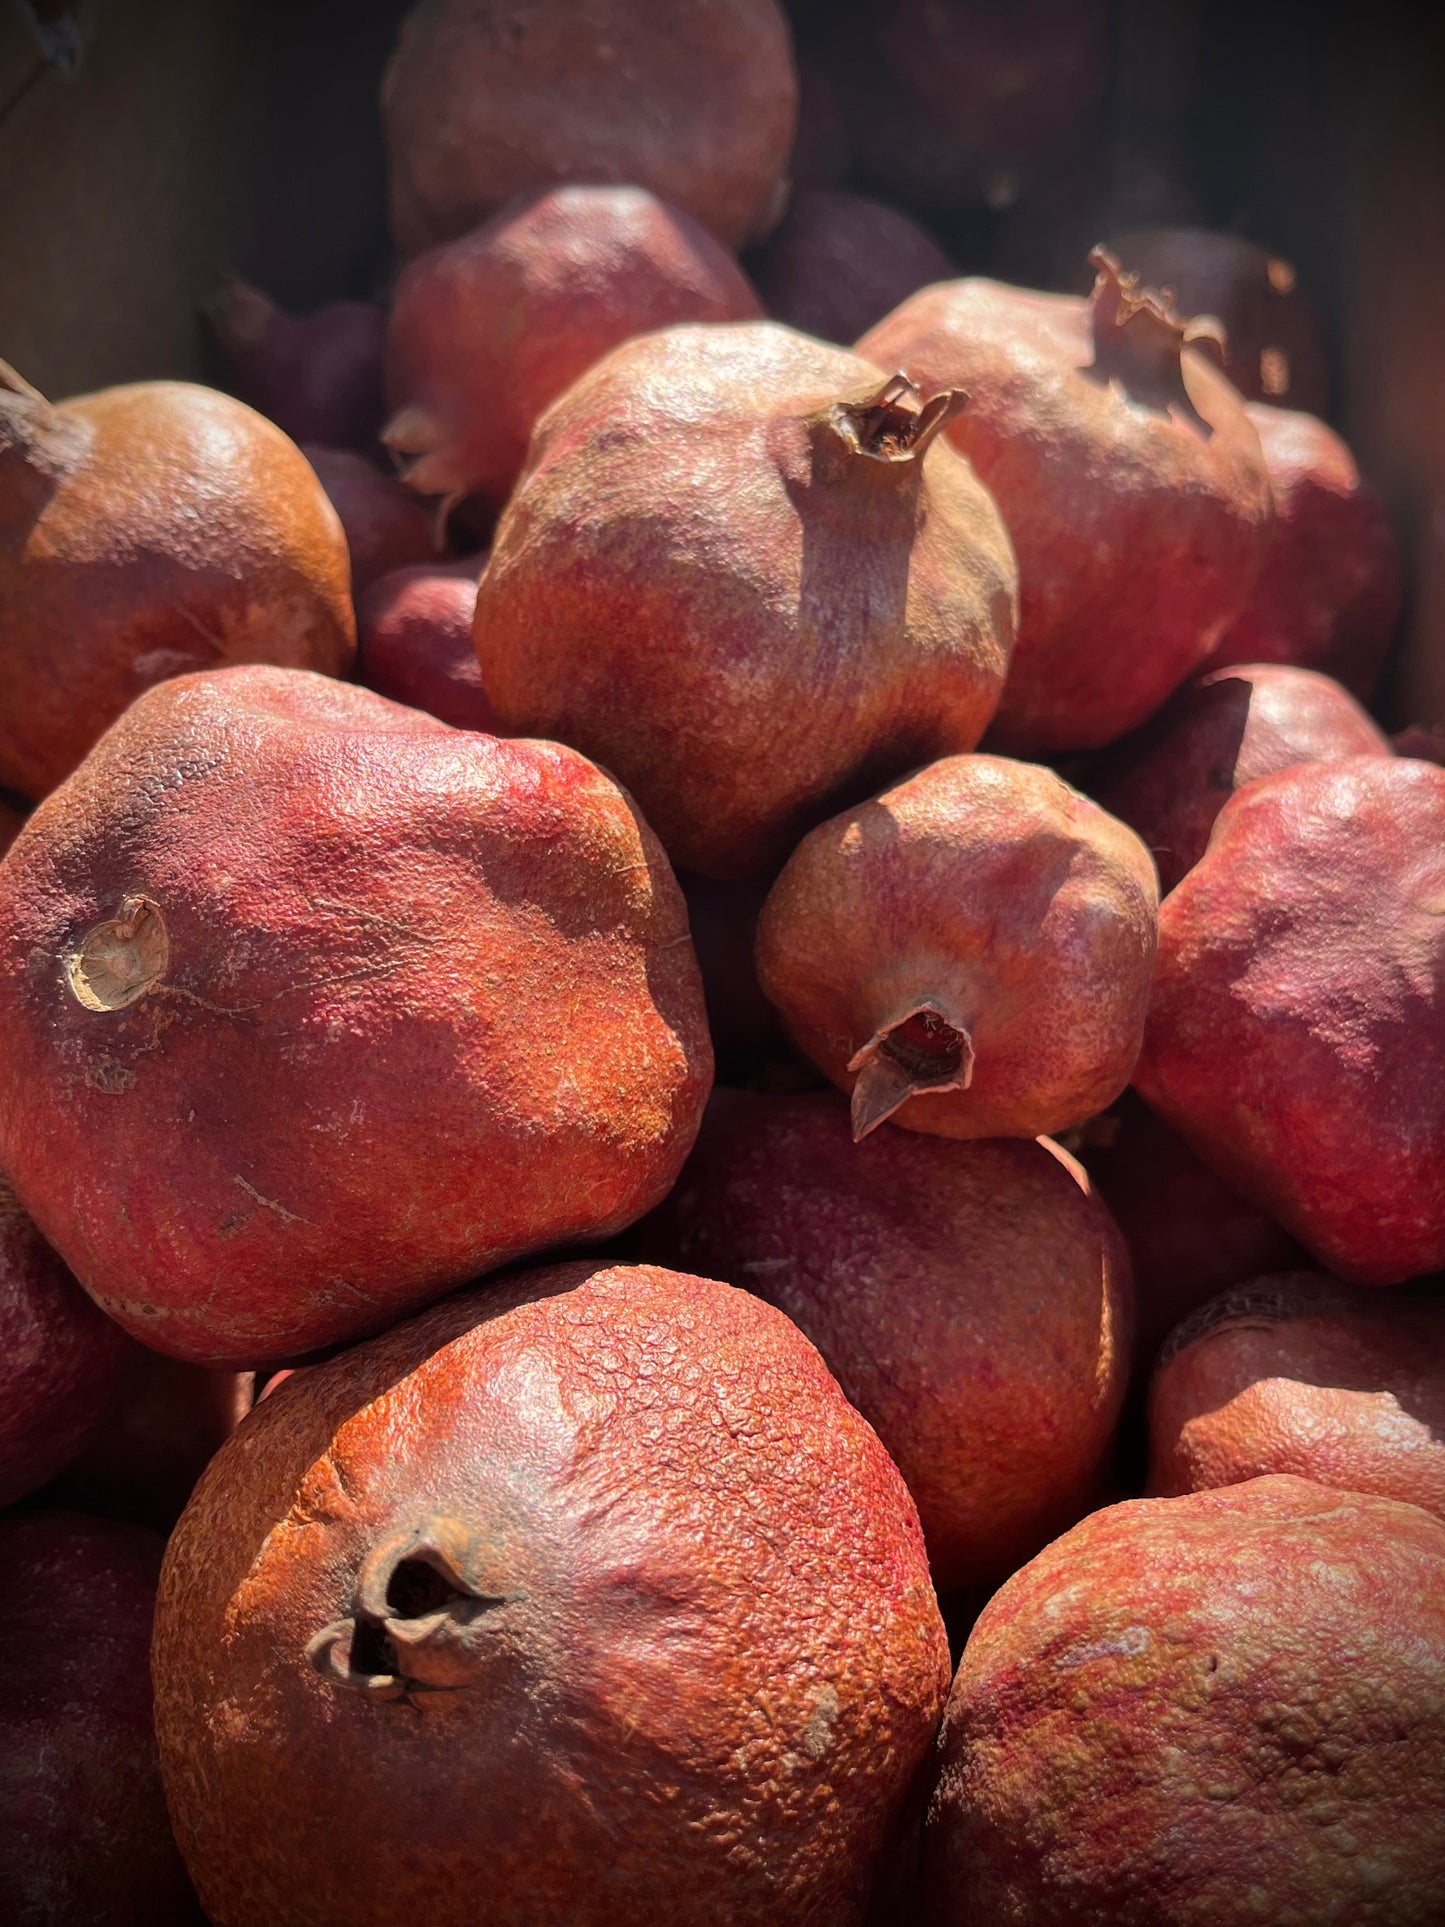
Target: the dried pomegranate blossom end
pixel 922 1052
pixel 894 424
pixel 1139 340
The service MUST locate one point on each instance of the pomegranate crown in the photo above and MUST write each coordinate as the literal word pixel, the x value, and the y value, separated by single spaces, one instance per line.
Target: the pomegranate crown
pixel 894 423
pixel 1139 337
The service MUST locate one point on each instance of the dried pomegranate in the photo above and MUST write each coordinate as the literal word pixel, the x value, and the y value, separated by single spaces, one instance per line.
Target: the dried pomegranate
pixel 1296 1036
pixel 589 1594
pixel 1171 779
pixel 1129 475
pixel 1224 1707
pixel 695 103
pixel 968 953
pixel 318 376
pixel 1299 1373
pixel 414 631
pixel 487 330
pixel 744 574
pixel 838 262
pixel 386 526
pixel 146 531
pixel 386 1004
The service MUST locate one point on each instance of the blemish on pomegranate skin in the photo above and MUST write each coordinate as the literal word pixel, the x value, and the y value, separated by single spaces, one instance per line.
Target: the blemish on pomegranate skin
pixel 118 961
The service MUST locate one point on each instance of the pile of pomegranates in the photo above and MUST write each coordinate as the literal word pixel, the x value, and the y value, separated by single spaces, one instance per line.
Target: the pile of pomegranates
pixel 722 1044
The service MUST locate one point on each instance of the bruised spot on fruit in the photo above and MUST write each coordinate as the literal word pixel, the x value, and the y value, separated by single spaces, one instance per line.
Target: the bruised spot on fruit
pixel 117 962
pixel 895 424
pixel 921 1052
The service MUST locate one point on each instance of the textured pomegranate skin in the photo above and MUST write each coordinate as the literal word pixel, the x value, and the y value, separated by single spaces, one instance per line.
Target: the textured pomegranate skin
pixel 386 527
pixel 972 1300
pixel 1328 595
pixel 838 262
pixel 1299 1373
pixel 61 1359
pixel 706 1664
pixel 1296 1038
pixel 1215 1708
pixel 84 1838
pixel 702 585
pixel 151 530
pixel 487 330
pixel 427 1002
pixel 698 104
pixel 1170 780
pixel 1138 531
pixel 318 376
pixel 414 642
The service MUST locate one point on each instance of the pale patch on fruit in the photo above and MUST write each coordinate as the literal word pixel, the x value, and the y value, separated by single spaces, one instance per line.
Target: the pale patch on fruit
pixel 1133 1639
pixel 117 962
pixel 818 1734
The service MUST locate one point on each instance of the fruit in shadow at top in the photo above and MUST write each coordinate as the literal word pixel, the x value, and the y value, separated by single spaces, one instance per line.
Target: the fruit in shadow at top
pixel 386 526
pixel 414 642
pixel 837 262
pixel 318 376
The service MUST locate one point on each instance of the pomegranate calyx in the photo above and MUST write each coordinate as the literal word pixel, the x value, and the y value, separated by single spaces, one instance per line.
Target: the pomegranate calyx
pixel 923 1051
pixel 894 423
pixel 1139 339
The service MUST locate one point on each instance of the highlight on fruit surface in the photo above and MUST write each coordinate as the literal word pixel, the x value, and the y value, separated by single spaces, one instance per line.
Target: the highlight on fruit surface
pixel 414 642
pixel 838 262
pixel 318 376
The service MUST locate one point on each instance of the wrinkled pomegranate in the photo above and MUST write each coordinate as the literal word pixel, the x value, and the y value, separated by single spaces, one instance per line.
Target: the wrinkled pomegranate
pixel 695 103
pixel 487 330
pixel 1129 475
pixel 386 526
pixel 385 1004
pixel 414 634
pixel 318 376
pixel 968 953
pixel 146 531
pixel 742 572
pixel 515 1580
pixel 838 262
pixel 1296 1036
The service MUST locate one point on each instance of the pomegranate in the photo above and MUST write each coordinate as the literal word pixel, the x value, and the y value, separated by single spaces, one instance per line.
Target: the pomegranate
pixel 1172 778
pixel 1328 596
pixel 145 531
pixel 1129 475
pixel 387 1005
pixel 1427 745
pixel 969 952
pixel 487 330
pixel 1298 1373
pixel 318 376
pixel 414 629
pixel 972 1300
pixel 1296 1037
pixel 386 527
pixel 839 262
pixel 1224 1707
pixel 85 1841
pixel 60 1359
pixel 1274 347
pixel 743 574
pixel 589 1594
pixel 695 103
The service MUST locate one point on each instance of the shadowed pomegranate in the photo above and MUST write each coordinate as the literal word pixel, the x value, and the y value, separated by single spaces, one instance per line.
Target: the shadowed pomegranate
pixel 386 527
pixel 318 376
pixel 414 642
pixel 837 262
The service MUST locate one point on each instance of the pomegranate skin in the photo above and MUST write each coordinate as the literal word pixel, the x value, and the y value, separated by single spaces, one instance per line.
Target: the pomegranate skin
pixel 1419 740
pixel 389 1004
pixel 317 376
pixel 744 573
pixel 968 953
pixel 1170 781
pixel 84 1838
pixel 386 527
pixel 61 1359
pixel 589 1594
pixel 1328 595
pixel 414 632
pixel 1296 1037
pixel 1224 1707
pixel 838 262
pixel 1130 478
pixel 1299 1373
pixel 489 329
pixel 972 1300
pixel 696 103
pixel 146 531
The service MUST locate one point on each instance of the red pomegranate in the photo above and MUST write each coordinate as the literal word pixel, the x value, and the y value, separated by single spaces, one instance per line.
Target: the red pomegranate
pixel 388 1004
pixel 1296 1037
pixel 742 572
pixel 695 103
pixel 1274 347
pixel 1298 1373
pixel 146 531
pixel 969 952
pixel 414 634
pixel 972 1300
pixel 1224 1707
pixel 1328 595
pixel 838 262
pixel 318 376
pixel 386 527
pixel 589 1594
pixel 489 329
pixel 1129 475
pixel 1422 742
pixel 1171 779
pixel 84 1838
pixel 61 1360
